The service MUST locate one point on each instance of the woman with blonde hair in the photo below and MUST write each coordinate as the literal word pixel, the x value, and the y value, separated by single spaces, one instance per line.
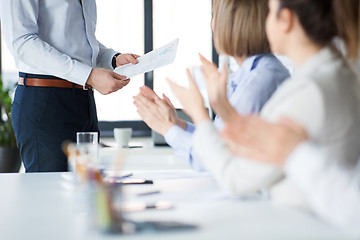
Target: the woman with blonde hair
pixel 239 31
pixel 323 98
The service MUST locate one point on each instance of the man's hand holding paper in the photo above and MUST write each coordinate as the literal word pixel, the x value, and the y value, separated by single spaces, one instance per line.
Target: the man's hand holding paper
pixel 150 61
pixel 126 58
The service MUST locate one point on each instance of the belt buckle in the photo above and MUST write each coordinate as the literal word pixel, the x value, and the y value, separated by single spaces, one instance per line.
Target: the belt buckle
pixel 87 87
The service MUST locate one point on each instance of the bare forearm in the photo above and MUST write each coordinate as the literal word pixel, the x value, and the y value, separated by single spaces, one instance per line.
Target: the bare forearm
pixel 201 116
pixel 181 123
pixel 225 111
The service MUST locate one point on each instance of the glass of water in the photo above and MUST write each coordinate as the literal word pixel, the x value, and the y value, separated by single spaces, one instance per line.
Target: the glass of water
pixel 87 144
pixel 87 138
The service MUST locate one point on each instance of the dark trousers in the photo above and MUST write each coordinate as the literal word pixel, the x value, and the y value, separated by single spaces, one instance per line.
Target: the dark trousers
pixel 44 117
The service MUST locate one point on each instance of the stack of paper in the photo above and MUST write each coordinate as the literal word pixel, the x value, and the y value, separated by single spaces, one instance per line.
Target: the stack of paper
pixel 150 61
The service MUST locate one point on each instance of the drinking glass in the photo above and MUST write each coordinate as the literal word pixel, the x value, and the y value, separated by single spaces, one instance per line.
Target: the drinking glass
pixel 87 138
pixel 87 144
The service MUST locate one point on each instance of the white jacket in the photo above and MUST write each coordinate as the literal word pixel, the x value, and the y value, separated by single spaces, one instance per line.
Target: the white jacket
pixel 325 98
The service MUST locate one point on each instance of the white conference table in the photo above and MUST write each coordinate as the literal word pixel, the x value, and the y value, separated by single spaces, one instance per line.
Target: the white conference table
pixel 49 206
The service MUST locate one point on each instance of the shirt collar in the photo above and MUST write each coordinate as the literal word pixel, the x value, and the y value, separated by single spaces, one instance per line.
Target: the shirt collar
pixel 250 63
pixel 241 73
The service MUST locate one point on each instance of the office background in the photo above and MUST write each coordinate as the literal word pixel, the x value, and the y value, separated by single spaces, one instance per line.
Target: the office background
pixel 139 26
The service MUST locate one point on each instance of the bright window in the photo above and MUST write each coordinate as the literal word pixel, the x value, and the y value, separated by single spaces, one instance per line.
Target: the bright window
pixel 120 26
pixel 189 21
pixel 9 71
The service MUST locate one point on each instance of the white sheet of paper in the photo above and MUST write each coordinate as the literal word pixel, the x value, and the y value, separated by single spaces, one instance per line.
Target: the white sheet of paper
pixel 152 60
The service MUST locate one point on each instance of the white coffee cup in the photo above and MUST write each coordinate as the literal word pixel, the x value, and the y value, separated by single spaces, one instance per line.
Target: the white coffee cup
pixel 122 137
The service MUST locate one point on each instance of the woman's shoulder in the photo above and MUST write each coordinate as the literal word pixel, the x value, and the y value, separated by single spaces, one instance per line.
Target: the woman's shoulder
pixel 268 65
pixel 269 71
pixel 334 74
pixel 270 61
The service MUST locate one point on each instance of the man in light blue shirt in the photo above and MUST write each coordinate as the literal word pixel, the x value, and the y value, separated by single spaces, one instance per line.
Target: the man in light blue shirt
pixel 58 58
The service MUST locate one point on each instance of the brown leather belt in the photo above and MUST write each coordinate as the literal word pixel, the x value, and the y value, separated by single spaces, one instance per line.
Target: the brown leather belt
pixel 37 82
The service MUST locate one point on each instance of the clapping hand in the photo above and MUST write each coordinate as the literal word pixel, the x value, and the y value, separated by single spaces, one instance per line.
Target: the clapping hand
pixel 257 139
pixel 159 114
pixel 191 99
pixel 216 83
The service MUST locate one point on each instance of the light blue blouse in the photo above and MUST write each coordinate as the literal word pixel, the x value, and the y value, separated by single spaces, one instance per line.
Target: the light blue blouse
pixel 249 88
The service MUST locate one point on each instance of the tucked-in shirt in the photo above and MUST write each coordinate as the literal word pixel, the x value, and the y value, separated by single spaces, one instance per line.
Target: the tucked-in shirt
pixel 248 90
pixel 54 37
pixel 331 188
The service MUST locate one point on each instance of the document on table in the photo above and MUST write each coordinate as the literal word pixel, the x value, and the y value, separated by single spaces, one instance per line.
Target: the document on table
pixel 150 61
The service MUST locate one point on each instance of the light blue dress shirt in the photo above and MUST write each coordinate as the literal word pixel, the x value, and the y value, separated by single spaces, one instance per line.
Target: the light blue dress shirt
pixel 54 37
pixel 249 88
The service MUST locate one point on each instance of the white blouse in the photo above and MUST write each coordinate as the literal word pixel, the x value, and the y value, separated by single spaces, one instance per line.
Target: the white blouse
pixel 324 97
pixel 331 189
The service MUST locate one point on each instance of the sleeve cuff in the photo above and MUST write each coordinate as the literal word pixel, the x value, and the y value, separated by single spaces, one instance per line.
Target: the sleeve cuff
pixel 105 58
pixel 80 73
pixel 180 141
pixel 172 135
pixel 190 127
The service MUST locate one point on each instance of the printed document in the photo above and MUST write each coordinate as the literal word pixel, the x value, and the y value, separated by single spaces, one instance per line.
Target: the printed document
pixel 150 61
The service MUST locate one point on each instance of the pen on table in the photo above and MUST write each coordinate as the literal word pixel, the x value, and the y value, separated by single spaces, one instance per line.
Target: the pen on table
pixel 135 181
pixel 130 181
pixel 159 205
pixel 115 178
pixel 137 146
pixel 123 176
pixel 147 193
